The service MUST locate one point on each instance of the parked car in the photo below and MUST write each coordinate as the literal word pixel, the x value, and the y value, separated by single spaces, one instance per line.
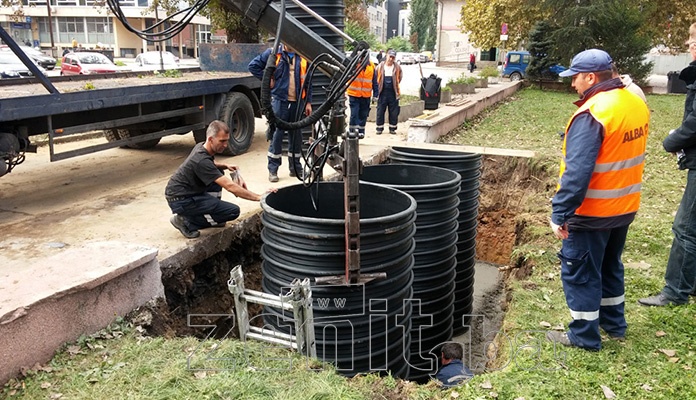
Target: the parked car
pixel 516 63
pixel 150 60
pixel 405 58
pixel 426 56
pixel 84 63
pixel 12 67
pixel 42 59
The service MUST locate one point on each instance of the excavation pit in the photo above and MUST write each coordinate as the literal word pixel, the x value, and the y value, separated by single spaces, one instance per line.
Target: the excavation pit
pixel 201 290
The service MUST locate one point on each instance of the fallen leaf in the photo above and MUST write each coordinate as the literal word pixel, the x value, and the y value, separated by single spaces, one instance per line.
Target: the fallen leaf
pixel 199 374
pixel 559 328
pixel 45 385
pixel 55 396
pixel 608 393
pixel 646 387
pixel 520 398
pixel 486 385
pixel 73 350
pixel 454 395
pixel 669 353
pixel 547 298
pixel 660 333
pixel 545 324
pixel 686 367
pixel 673 360
pixel 493 395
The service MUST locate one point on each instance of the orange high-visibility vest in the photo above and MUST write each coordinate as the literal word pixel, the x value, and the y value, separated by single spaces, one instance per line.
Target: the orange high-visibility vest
pixel 362 85
pixel 303 69
pixel 615 184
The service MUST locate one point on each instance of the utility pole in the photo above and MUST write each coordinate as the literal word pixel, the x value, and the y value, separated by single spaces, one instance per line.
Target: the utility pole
pixel 50 28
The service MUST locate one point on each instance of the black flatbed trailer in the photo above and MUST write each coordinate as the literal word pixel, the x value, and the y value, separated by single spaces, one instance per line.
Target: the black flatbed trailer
pixel 132 110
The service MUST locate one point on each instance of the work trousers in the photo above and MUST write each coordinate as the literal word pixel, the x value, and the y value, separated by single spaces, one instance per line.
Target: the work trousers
pixel 359 110
pixel 680 276
pixel 593 281
pixel 287 111
pixel 205 210
pixel 387 100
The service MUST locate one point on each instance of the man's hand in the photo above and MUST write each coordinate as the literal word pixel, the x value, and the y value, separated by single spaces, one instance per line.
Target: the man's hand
pixel 308 110
pixel 561 231
pixel 374 100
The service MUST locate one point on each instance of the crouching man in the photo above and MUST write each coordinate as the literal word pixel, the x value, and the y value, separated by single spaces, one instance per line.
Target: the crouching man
pixel 194 192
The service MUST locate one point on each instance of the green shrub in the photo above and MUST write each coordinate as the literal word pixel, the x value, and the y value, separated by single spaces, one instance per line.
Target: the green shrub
pixel 489 71
pixel 462 79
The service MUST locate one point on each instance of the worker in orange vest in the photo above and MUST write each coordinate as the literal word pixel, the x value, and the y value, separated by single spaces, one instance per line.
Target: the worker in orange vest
pixel 360 92
pixel 597 198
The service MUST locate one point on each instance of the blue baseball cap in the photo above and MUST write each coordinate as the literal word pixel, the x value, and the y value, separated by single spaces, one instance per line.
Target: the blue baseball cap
pixel 591 60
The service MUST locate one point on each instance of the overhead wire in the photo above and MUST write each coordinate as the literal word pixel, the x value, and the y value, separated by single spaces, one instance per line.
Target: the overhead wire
pixel 170 31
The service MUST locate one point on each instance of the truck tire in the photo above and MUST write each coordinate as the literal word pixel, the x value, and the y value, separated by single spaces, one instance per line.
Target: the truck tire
pixel 133 132
pixel 238 114
pixel 115 134
pixel 199 135
pixel 515 76
pixel 112 135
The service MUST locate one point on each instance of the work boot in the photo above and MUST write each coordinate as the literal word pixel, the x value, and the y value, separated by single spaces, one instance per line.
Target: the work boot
pixel 180 223
pixel 272 177
pixel 559 337
pixel 378 132
pixel 300 170
pixel 659 300
pixel 392 132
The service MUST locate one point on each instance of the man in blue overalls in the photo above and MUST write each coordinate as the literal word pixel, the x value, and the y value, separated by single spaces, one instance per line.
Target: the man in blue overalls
pixel 286 89
pixel 388 81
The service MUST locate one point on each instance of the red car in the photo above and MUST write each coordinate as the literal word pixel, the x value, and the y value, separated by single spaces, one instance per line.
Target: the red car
pixel 84 63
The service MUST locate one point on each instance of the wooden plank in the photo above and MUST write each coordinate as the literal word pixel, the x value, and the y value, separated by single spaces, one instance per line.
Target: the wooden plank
pixel 457 103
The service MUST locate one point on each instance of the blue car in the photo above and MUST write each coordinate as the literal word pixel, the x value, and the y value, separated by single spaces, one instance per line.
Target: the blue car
pixel 516 63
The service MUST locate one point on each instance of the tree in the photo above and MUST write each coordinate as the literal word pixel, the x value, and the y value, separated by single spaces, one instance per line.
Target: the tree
pixel 223 18
pixel 431 40
pixel 359 33
pixel 399 43
pixel 541 45
pixel 356 12
pixel 421 20
pixel 665 22
pixel 611 25
pixel 482 20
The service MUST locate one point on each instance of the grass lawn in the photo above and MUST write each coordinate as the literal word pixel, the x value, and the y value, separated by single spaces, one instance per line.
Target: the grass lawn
pixel 655 362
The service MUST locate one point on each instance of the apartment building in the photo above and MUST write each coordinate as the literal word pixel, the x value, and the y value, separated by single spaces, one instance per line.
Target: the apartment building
pixel 56 24
pixel 377 14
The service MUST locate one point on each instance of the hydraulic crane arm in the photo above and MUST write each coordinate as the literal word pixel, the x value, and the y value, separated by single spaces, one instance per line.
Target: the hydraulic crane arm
pixel 267 15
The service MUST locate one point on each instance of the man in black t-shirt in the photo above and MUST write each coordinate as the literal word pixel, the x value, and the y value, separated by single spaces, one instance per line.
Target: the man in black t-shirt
pixel 194 192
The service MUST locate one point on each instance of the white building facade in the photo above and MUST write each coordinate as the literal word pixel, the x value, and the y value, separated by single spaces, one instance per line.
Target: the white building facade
pixel 91 24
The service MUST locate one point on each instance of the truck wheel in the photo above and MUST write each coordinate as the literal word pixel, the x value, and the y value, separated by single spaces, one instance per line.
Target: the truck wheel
pixel 133 132
pixel 112 135
pixel 199 135
pixel 238 113
pixel 515 76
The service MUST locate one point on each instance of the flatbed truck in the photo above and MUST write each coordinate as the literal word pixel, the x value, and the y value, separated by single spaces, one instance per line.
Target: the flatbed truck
pixel 134 111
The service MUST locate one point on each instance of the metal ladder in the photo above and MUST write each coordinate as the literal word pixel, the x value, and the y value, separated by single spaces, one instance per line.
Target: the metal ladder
pixel 298 299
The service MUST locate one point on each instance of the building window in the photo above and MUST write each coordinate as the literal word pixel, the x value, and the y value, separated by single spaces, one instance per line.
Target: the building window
pixel 69 28
pixel 203 32
pixel 100 30
pixel 44 34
